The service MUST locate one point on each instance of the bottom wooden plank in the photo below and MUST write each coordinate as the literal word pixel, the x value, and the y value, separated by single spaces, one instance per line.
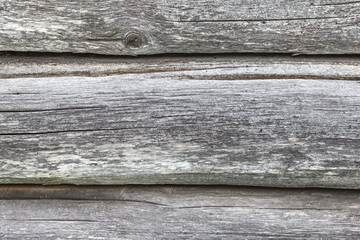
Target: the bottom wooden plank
pixel 177 212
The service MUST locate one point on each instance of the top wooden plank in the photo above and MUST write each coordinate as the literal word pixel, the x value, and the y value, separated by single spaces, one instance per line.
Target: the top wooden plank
pixel 169 26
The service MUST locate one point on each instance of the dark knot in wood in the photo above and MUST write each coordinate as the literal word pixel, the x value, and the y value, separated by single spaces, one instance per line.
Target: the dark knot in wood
pixel 133 40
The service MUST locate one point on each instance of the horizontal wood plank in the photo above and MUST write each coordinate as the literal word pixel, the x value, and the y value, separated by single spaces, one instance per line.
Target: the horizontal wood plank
pixel 230 66
pixel 181 127
pixel 171 26
pixel 177 212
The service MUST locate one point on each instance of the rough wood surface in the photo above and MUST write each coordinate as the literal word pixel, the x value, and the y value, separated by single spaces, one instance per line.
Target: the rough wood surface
pixel 247 66
pixel 180 128
pixel 175 212
pixel 172 26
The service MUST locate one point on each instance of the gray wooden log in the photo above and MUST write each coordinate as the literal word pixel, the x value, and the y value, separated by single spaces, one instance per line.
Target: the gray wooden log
pixel 180 128
pixel 174 212
pixel 172 26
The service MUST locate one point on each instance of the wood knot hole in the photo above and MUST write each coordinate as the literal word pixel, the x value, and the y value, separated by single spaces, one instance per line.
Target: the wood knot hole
pixel 133 40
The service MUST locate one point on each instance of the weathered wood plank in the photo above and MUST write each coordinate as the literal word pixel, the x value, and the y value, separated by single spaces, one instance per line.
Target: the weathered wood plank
pixel 162 128
pixel 174 212
pixel 171 26
pixel 247 66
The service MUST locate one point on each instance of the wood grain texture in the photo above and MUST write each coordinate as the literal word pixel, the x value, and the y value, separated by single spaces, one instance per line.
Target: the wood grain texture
pixel 171 26
pixel 180 128
pixel 177 212
pixel 247 66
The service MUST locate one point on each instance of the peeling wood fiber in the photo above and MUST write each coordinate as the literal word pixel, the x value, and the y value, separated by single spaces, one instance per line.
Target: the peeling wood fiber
pixel 172 26
pixel 180 128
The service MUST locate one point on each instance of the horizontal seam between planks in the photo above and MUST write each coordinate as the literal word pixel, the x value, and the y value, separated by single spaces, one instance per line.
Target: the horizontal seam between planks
pixel 258 20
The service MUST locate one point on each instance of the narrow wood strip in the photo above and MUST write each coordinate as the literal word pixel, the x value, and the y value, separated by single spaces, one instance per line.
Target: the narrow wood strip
pixel 232 66
pixel 170 26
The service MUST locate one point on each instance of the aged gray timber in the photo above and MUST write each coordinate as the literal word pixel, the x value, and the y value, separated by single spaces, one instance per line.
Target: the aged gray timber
pixel 180 128
pixel 247 66
pixel 172 26
pixel 176 212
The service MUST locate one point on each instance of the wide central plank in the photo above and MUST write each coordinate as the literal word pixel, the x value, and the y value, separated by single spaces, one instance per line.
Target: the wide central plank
pixel 121 27
pixel 165 128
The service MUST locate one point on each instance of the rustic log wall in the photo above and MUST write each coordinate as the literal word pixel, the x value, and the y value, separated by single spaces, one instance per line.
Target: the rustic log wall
pixel 252 120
